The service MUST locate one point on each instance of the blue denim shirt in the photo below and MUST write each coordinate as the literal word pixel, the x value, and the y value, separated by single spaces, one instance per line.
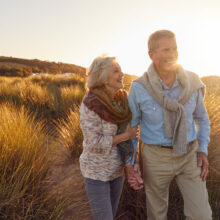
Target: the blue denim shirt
pixel 149 114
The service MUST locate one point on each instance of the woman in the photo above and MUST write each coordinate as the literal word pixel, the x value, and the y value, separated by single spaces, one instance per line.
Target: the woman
pixel 104 114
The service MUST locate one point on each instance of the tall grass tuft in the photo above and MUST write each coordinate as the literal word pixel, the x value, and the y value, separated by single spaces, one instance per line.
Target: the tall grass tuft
pixel 212 102
pixel 24 164
pixel 70 134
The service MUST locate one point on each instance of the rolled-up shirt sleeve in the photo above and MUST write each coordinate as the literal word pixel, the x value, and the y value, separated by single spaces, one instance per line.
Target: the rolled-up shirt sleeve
pixel 203 125
pixel 96 138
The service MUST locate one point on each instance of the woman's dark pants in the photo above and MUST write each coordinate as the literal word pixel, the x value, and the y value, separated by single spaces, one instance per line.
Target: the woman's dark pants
pixel 104 197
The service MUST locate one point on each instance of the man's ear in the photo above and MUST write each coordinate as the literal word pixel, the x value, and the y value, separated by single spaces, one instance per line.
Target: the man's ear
pixel 150 53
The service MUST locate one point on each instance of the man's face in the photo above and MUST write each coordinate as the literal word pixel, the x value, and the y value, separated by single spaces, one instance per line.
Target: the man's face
pixel 165 55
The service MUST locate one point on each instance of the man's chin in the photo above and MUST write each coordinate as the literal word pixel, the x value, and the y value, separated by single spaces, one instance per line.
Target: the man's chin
pixel 172 68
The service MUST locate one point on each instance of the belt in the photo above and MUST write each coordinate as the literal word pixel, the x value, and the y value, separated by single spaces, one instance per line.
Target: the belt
pixel 171 147
pixel 167 147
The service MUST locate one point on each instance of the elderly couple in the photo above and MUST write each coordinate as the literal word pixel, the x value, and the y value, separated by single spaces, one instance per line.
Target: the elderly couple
pixel 167 103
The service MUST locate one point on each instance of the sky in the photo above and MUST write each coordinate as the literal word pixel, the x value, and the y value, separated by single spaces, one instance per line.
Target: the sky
pixel 77 31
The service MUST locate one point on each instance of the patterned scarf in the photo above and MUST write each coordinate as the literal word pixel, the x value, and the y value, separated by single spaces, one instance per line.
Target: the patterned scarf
pixel 114 110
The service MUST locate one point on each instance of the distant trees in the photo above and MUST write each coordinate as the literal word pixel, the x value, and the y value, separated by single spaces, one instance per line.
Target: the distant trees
pixel 22 72
pixel 35 69
pixel 36 66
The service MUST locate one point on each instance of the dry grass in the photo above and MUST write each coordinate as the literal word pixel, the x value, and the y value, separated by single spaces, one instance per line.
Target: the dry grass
pixel 25 160
pixel 28 108
pixel 212 102
pixel 48 97
pixel 34 188
pixel 70 134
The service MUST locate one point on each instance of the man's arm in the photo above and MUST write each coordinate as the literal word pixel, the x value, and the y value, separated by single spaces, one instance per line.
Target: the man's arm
pixel 132 166
pixel 202 121
pixel 133 105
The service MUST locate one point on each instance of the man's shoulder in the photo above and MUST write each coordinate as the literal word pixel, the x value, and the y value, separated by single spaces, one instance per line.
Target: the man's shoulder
pixel 137 86
pixel 139 79
pixel 195 82
pixel 138 83
pixel 192 75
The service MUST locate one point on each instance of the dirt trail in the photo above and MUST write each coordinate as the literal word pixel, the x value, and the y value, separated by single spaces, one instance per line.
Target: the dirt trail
pixel 66 180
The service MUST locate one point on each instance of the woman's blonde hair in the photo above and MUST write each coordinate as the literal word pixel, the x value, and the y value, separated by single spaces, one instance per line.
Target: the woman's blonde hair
pixel 98 71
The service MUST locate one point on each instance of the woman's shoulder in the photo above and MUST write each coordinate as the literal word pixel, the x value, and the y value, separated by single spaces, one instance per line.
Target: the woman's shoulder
pixel 84 109
pixel 86 113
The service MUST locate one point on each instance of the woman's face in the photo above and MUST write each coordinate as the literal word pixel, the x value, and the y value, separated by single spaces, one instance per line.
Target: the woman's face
pixel 115 78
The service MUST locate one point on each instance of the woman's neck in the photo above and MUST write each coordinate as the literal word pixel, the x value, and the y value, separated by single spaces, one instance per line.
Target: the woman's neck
pixel 110 91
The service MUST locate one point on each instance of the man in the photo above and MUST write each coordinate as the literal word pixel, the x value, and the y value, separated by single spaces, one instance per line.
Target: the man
pixel 167 101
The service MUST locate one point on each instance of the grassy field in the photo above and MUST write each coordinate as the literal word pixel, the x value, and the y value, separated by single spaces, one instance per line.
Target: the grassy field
pixel 39 117
pixel 30 111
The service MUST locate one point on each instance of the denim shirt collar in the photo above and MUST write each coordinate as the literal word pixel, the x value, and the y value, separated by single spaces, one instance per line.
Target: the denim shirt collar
pixel 175 84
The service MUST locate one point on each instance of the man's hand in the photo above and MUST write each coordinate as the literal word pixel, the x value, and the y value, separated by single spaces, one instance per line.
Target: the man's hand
pixel 137 169
pixel 202 161
pixel 134 177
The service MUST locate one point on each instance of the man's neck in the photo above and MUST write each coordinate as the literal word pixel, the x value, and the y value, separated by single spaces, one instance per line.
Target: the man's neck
pixel 168 78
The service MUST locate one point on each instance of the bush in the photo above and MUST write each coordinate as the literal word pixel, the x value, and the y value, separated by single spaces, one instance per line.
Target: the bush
pixel 25 160
pixel 70 134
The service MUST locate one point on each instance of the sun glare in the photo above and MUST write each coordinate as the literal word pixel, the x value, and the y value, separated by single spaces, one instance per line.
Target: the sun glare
pixel 197 53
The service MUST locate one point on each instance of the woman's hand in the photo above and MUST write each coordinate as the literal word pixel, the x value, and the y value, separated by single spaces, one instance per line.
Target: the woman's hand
pixel 132 133
pixel 134 178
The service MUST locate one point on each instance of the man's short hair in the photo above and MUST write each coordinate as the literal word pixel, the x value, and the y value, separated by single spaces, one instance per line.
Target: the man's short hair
pixel 98 71
pixel 152 40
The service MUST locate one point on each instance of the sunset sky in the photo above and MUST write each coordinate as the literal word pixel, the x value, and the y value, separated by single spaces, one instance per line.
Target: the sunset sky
pixel 76 31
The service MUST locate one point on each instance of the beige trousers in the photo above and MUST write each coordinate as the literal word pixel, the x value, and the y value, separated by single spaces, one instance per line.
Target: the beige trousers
pixel 160 166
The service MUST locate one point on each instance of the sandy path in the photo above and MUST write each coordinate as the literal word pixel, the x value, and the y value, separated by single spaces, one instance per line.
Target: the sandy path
pixel 66 180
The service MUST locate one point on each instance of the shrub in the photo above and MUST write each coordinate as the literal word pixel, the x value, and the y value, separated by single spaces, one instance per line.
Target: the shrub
pixel 70 134
pixel 25 160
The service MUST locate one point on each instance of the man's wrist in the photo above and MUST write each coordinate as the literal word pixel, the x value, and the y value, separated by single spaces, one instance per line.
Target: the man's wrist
pixel 202 150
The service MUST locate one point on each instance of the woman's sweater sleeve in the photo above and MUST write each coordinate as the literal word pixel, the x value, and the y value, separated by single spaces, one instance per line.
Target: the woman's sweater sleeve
pixel 96 139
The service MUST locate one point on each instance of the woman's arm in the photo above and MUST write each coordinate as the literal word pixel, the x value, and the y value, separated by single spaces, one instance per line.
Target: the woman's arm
pixel 130 133
pixel 94 139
